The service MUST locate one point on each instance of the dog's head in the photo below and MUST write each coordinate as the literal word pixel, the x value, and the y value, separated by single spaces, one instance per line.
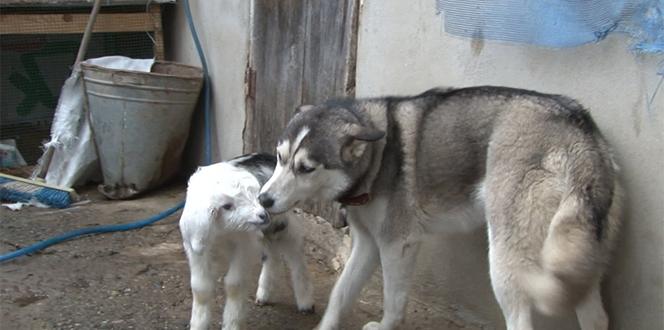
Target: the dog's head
pixel 320 155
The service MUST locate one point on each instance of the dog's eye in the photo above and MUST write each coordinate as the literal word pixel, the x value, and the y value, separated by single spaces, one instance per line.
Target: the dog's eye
pixel 227 206
pixel 305 169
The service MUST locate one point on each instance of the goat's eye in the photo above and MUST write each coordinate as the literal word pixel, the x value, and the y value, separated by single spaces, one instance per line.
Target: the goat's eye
pixel 227 206
pixel 305 169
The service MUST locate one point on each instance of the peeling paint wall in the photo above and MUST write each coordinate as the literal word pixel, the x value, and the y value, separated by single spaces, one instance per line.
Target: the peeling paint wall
pixel 402 50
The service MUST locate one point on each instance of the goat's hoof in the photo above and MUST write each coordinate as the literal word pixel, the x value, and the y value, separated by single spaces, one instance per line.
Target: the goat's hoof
pixel 307 310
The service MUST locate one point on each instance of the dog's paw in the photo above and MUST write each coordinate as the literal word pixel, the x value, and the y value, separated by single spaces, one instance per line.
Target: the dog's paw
pixel 307 310
pixel 372 326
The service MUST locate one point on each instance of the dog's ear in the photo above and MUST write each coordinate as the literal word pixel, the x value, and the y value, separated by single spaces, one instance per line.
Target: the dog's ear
pixel 303 108
pixel 360 137
pixel 362 133
pixel 353 150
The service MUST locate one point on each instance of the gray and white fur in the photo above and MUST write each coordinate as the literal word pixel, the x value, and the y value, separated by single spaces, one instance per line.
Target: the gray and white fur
pixel 222 222
pixel 533 166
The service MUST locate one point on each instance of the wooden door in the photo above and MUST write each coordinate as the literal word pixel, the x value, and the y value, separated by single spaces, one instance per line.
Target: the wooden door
pixel 301 52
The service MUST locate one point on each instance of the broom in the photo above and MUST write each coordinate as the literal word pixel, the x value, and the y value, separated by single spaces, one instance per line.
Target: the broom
pixel 15 189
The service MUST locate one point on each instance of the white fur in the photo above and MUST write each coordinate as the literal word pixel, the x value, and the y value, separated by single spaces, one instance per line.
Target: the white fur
pixel 300 136
pixel 213 235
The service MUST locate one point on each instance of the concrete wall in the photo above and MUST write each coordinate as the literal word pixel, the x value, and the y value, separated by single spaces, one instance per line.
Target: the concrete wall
pixel 223 29
pixel 402 49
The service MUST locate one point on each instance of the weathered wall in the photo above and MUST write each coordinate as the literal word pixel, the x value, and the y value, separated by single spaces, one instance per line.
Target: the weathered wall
pixel 223 29
pixel 402 49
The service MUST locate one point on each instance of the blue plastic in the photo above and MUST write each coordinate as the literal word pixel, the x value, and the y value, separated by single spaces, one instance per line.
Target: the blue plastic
pixel 557 23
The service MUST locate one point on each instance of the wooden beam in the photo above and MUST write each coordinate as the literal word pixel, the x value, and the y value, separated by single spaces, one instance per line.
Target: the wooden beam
pixel 155 14
pixel 75 23
pixel 74 3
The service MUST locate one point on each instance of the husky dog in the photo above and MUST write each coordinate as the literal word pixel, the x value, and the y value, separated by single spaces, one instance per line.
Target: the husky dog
pixel 533 165
pixel 223 221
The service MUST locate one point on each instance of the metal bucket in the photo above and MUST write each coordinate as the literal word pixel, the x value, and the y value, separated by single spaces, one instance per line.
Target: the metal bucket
pixel 140 123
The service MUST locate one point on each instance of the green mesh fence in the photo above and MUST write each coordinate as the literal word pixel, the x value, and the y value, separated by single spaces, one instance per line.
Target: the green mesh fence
pixel 33 68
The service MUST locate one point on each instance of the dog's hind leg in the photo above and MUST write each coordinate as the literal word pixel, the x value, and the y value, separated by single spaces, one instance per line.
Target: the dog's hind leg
pixel 267 277
pixel 513 301
pixel 236 283
pixel 358 269
pixel 398 260
pixel 591 313
pixel 291 247
pixel 204 275
pixel 515 306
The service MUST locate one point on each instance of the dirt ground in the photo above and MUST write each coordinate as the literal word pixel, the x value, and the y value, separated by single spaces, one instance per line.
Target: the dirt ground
pixel 139 279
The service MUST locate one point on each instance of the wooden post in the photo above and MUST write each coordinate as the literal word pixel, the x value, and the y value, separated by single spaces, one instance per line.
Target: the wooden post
pixel 155 13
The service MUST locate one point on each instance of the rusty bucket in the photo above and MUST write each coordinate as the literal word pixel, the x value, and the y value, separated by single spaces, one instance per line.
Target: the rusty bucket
pixel 140 123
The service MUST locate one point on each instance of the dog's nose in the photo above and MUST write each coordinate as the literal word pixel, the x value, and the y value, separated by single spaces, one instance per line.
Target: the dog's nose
pixel 265 200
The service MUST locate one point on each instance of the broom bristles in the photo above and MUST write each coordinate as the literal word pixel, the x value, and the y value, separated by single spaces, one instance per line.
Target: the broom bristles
pixel 16 189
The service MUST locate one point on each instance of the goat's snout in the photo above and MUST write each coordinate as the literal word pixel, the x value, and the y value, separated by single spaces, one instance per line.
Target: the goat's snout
pixel 264 217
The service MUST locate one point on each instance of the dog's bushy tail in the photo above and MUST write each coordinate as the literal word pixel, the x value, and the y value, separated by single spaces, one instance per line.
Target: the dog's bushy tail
pixel 577 246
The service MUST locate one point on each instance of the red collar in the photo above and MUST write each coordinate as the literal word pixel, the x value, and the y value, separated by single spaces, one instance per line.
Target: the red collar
pixel 355 200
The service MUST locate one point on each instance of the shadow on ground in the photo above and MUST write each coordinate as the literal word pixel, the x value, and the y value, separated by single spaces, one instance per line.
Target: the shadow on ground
pixel 139 279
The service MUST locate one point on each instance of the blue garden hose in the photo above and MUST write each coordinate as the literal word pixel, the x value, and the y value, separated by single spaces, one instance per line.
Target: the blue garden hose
pixel 206 83
pixel 89 231
pixel 145 222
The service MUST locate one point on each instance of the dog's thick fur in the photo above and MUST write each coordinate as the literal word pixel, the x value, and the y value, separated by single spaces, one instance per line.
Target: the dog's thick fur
pixel 223 222
pixel 533 165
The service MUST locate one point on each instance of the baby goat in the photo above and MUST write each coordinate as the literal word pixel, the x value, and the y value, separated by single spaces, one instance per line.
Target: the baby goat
pixel 222 221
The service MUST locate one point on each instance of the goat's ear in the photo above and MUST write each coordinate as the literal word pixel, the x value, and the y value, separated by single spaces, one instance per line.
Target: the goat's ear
pixel 303 108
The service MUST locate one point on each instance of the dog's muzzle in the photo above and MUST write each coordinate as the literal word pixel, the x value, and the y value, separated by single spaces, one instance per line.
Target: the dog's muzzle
pixel 266 200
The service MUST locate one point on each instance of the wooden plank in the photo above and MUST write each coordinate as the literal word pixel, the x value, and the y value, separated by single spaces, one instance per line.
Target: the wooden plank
pixel 155 18
pixel 74 23
pixel 75 3
pixel 330 50
pixel 329 67
pixel 276 58
pixel 302 51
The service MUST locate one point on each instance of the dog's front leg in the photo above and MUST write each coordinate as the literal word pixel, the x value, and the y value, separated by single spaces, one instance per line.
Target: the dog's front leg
pixel 398 262
pixel 236 285
pixel 361 264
